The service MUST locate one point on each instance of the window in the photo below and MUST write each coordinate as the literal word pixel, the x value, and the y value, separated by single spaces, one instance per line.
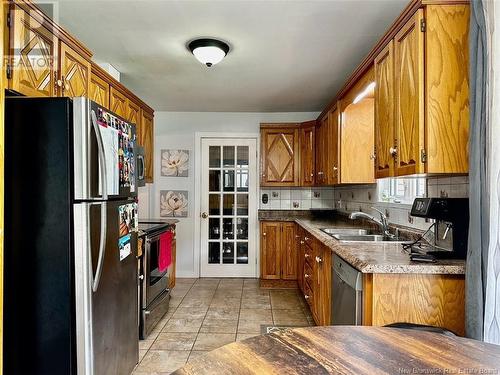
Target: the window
pixel 401 190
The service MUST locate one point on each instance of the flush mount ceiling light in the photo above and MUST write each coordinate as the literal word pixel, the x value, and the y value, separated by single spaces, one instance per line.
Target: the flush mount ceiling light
pixel 208 51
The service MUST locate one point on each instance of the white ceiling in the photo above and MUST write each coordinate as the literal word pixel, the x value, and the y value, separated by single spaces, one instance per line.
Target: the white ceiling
pixel 286 56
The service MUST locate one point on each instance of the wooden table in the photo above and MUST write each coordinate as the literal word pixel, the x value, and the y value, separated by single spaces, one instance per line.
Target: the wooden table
pixel 349 350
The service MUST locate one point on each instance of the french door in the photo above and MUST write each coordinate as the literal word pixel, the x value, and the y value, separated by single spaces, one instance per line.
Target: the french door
pixel 228 207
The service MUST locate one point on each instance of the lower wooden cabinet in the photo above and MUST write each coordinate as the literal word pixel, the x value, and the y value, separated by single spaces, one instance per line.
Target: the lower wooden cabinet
pixel 315 276
pixel 171 276
pixel 278 258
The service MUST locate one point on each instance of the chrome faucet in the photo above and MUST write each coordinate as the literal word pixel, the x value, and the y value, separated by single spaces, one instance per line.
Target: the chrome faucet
pixel 382 223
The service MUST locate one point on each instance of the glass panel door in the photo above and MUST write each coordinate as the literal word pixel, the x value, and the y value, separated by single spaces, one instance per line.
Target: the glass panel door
pixel 228 208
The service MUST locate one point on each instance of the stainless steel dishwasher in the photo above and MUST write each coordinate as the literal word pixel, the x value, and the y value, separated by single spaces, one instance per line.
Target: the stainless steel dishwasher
pixel 347 293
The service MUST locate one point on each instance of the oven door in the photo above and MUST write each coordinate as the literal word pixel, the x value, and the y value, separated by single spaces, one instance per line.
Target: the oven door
pixel 155 282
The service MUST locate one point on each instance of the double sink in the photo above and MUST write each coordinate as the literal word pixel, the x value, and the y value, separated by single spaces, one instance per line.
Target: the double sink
pixel 359 235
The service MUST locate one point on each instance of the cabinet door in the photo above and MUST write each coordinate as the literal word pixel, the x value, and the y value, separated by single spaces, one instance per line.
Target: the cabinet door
pixel 324 261
pixel 447 88
pixel 133 113
pixel 409 93
pixel 288 252
pixel 74 73
pixel 34 52
pixel 320 150
pixel 118 102
pixel 146 140
pixel 332 145
pixel 171 276
pixel 280 157
pixel 270 242
pixel 99 90
pixel 384 112
pixel 307 153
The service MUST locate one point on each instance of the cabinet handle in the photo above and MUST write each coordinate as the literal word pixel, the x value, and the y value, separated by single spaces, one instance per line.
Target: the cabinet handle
pixel 307 276
pixel 320 173
pixel 335 168
pixel 264 234
pixel 393 151
pixel 306 255
pixel 372 157
pixel 318 260
pixel 297 236
pixel 301 242
pixel 306 296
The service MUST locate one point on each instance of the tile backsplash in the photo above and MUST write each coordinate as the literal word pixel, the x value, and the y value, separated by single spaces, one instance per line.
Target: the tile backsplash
pixel 296 198
pixel 361 198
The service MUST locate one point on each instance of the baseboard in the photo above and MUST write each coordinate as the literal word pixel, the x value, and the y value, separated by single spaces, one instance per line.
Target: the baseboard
pixel 279 284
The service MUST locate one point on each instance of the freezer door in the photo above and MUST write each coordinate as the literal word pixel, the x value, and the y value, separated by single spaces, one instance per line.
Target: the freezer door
pixel 106 288
pixel 104 153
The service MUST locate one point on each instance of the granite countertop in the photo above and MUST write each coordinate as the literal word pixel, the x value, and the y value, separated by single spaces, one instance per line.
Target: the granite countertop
pixel 373 257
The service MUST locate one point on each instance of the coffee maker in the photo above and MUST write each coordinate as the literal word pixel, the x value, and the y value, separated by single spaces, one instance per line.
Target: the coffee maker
pixel 451 228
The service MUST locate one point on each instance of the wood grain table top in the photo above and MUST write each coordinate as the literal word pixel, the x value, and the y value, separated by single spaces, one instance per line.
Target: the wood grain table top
pixel 349 350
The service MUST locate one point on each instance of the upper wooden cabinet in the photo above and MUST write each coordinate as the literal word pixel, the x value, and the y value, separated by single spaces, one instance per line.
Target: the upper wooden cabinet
pixel 357 108
pixel 333 148
pixel 34 54
pixel 99 90
pixel 74 73
pixel 146 139
pixel 418 128
pixel 447 88
pixel 384 112
pixel 133 112
pixel 307 153
pixel 118 102
pixel 280 165
pixel 322 150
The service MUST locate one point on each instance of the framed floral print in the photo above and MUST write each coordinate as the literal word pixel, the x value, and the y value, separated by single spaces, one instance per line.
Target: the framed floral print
pixel 173 203
pixel 175 163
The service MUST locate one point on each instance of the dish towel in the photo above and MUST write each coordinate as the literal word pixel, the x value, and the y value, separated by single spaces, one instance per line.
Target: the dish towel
pixel 165 256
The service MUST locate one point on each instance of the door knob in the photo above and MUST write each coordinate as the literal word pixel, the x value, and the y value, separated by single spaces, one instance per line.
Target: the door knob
pixel 393 151
pixel 204 215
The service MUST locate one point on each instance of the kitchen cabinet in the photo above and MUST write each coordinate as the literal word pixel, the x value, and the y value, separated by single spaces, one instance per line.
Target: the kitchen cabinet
pixel 425 132
pixel 146 140
pixel 118 102
pixel 307 153
pixel 357 132
pixel 428 299
pixel 315 279
pixel 74 73
pixel 133 113
pixel 299 245
pixel 322 150
pixel 171 276
pixel 384 112
pixel 99 90
pixel 278 251
pixel 280 163
pixel 34 53
pixel 332 148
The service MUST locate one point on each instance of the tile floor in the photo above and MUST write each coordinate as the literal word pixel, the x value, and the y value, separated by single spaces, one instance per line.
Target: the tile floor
pixel 208 313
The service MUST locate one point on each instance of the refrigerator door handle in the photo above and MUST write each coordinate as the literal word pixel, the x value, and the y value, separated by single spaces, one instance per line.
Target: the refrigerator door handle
pixel 104 211
pixel 102 247
pixel 102 156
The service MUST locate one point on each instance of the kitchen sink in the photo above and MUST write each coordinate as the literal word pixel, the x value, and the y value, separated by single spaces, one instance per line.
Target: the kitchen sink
pixel 367 238
pixel 359 235
pixel 346 231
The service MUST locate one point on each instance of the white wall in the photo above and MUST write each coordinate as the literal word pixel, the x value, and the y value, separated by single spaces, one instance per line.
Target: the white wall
pixel 176 130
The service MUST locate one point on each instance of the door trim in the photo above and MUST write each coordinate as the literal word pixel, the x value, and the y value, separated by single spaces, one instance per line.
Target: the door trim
pixel 198 137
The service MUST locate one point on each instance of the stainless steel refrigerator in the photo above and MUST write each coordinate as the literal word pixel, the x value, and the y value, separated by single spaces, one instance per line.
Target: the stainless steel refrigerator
pixel 70 281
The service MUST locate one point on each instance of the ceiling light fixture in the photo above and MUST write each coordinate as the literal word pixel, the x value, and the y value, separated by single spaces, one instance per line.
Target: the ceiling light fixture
pixel 365 92
pixel 208 51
